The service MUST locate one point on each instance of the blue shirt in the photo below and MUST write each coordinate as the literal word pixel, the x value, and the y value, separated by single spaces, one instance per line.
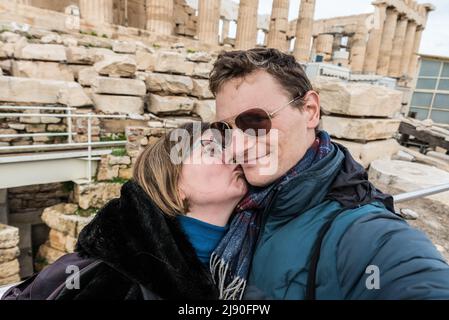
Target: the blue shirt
pixel 203 236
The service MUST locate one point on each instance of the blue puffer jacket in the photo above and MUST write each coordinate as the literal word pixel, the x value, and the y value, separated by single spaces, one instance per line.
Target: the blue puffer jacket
pixel 366 234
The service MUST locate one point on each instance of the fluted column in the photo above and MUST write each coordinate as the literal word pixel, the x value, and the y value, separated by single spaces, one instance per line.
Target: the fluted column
pixel 398 46
pixel 26 2
pixel 414 58
pixel 407 51
pixel 358 48
pixel 304 29
pixel 246 37
pixel 98 11
pixel 375 39
pixel 160 16
pixel 387 41
pixel 324 44
pixel 208 21
pixel 277 33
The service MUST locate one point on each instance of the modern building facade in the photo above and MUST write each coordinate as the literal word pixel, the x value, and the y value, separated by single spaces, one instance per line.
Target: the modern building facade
pixel 430 98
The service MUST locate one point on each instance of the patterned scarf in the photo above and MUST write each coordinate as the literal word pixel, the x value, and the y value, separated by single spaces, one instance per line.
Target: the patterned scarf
pixel 230 261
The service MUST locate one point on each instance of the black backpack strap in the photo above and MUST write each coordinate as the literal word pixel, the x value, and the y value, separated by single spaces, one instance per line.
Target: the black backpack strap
pixel 315 257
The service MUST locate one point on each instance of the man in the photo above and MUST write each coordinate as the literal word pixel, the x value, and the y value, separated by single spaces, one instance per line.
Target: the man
pixel 324 231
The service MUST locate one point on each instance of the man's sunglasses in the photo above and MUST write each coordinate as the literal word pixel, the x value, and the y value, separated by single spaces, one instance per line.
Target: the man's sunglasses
pixel 254 122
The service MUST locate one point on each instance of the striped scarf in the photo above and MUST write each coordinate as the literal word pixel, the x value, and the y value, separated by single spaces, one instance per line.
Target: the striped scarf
pixel 230 261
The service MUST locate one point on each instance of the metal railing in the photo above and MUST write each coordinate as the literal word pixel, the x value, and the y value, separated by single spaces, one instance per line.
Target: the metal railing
pixel 406 196
pixel 69 115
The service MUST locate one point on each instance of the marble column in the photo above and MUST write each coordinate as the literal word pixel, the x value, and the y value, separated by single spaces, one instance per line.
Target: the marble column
pixel 337 42
pixel 246 37
pixel 160 16
pixel 324 44
pixel 414 57
pixel 386 45
pixel 277 33
pixel 398 46
pixel 358 48
pixel 374 41
pixel 26 2
pixel 407 51
pixel 97 11
pixel 304 30
pixel 208 21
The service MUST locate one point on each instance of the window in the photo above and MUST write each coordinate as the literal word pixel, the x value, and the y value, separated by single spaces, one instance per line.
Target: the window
pixel 431 96
pixel 428 84
pixel 421 99
pixel 440 116
pixel 443 85
pixel 441 101
pixel 421 114
pixel 445 72
pixel 430 68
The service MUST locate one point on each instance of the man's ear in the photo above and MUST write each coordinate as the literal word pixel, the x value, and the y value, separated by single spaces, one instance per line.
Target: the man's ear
pixel 312 108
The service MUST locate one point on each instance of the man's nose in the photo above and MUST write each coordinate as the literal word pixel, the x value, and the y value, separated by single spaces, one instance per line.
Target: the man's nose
pixel 239 146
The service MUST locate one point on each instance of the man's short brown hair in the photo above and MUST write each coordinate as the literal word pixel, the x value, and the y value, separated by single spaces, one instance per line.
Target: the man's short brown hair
pixel 283 67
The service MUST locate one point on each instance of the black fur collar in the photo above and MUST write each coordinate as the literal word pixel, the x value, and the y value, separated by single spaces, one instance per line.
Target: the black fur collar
pixel 134 237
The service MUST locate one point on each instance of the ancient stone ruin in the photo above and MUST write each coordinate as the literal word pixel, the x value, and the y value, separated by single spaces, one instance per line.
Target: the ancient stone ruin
pixel 85 85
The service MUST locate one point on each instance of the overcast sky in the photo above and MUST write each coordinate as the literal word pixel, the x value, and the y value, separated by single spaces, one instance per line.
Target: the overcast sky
pixel 435 38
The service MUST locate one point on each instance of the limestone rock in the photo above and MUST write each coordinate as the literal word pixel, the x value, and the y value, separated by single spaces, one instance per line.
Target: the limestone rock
pixel 9 268
pixel 42 70
pixel 125 173
pixel 96 195
pixel 9 254
pixel 409 176
pixel 51 39
pixel 61 241
pixel 202 70
pixel 205 109
pixel 9 280
pixel 117 86
pixel 116 66
pixel 80 55
pixel 107 172
pixel 173 62
pixel 365 153
pixel 167 83
pixel 199 56
pixel 170 104
pixel 49 254
pixel 9 236
pixel 110 104
pixel 201 89
pixel 360 129
pixel 67 224
pixel 87 76
pixel 7 131
pixel 28 90
pixel 145 60
pixel 124 46
pixel 45 52
pixel 73 95
pixel 357 99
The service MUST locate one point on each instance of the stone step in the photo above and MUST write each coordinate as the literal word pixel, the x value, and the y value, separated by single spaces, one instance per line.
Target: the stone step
pixel 365 153
pixel 357 99
pixel 360 129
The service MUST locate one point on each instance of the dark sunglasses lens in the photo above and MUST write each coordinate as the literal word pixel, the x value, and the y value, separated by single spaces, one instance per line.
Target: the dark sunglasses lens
pixel 219 132
pixel 254 122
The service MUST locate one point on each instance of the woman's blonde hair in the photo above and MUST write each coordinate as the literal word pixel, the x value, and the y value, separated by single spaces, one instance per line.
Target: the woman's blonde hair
pixel 159 176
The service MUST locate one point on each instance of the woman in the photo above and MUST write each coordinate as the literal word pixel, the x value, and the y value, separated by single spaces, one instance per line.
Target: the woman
pixel 156 240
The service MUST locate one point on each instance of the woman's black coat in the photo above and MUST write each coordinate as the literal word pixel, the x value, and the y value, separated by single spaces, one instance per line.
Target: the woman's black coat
pixel 130 250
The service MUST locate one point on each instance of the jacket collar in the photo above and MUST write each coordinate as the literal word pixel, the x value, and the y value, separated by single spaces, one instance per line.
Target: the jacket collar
pixel 336 177
pixel 134 237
